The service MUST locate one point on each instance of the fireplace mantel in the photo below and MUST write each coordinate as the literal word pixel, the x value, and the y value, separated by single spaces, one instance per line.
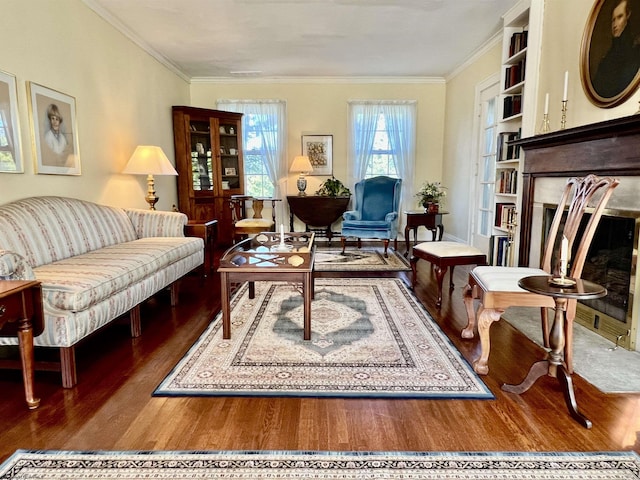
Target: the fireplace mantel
pixel 610 148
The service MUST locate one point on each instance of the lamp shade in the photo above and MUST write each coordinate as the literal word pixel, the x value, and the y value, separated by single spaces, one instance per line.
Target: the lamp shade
pixel 149 160
pixel 301 164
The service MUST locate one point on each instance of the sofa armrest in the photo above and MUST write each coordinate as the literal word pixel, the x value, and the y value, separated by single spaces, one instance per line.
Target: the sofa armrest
pixel 14 267
pixel 154 223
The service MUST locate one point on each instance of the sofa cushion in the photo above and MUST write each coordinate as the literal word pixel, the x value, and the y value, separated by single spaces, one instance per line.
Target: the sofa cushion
pixel 48 229
pixel 81 281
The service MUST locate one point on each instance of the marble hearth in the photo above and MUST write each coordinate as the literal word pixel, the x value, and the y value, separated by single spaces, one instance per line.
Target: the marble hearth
pixel 610 148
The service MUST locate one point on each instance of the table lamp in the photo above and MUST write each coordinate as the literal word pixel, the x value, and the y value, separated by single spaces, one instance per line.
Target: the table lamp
pixel 302 165
pixel 149 160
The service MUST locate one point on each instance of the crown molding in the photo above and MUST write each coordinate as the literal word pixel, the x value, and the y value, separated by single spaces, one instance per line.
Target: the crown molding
pixel 325 80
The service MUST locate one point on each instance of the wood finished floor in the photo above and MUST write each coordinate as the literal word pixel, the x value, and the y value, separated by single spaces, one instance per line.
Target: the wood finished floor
pixel 112 407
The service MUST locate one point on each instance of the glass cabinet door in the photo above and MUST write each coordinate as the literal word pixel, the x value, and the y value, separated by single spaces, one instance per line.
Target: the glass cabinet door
pixel 201 160
pixel 229 155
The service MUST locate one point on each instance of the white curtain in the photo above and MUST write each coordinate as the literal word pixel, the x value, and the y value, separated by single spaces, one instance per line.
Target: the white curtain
pixel 400 117
pixel 271 125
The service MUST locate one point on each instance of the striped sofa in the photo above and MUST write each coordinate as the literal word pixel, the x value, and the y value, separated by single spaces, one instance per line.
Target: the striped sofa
pixel 95 263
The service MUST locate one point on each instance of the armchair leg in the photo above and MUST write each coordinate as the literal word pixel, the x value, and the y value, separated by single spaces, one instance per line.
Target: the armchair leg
pixel 343 243
pixel 386 246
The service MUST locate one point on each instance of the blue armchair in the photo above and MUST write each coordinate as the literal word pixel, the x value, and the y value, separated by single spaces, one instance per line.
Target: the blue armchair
pixel 375 215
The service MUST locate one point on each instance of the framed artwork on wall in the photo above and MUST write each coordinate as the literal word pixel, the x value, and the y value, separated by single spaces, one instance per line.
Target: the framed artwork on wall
pixel 610 52
pixel 54 131
pixel 10 146
pixel 319 149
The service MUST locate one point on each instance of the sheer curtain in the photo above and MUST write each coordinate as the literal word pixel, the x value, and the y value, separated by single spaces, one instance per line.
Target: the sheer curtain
pixel 271 125
pixel 400 118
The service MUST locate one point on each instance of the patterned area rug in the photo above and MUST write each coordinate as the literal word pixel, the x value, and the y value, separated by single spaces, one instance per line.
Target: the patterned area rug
pixel 359 260
pixel 369 338
pixel 276 465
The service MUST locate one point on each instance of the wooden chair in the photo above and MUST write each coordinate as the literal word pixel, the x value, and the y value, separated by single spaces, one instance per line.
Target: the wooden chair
pixel 242 225
pixel 497 287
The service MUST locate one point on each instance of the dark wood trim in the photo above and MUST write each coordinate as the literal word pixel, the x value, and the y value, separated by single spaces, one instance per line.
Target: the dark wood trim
pixel 610 148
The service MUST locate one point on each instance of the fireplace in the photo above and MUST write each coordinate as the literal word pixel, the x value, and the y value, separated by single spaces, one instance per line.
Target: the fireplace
pixel 610 262
pixel 610 148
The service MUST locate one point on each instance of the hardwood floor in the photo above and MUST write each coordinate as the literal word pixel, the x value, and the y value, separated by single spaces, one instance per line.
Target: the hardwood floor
pixel 112 408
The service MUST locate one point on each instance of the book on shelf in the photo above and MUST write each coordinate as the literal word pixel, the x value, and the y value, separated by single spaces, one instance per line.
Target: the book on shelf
pixel 505 214
pixel 518 42
pixel 505 150
pixel 499 250
pixel 512 105
pixel 514 74
pixel 506 181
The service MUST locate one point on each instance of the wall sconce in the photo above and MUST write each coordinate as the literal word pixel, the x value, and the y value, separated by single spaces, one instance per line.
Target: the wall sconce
pixel 302 165
pixel 149 160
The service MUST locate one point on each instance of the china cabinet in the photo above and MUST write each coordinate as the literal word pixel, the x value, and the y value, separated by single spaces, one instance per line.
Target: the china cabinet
pixel 209 160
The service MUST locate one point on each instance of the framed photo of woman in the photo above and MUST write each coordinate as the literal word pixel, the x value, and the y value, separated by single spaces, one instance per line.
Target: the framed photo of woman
pixel 10 146
pixel 54 131
pixel 610 52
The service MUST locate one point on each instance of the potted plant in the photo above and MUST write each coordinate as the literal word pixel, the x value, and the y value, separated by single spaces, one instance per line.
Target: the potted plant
pixel 332 187
pixel 431 195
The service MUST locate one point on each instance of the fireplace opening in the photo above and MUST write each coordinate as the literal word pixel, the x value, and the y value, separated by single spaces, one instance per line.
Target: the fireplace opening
pixel 610 262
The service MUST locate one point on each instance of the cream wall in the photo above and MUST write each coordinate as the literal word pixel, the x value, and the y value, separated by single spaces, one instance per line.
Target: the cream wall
pixel 123 98
pixel 321 107
pixel 564 23
pixel 458 158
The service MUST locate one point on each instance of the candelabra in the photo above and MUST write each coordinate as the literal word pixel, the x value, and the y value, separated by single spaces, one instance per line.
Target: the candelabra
pixel 563 120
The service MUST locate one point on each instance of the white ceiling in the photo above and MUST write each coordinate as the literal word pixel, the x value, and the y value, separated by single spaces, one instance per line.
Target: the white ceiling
pixel 308 38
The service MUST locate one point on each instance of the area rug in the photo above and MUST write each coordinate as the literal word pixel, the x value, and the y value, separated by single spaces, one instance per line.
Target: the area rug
pixel 274 465
pixel 611 370
pixel 359 260
pixel 369 338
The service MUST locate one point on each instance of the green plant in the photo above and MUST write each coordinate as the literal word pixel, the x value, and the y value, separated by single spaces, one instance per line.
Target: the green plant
pixel 332 187
pixel 431 192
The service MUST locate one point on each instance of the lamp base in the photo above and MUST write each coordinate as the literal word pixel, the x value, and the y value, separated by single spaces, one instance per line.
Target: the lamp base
pixel 302 185
pixel 151 193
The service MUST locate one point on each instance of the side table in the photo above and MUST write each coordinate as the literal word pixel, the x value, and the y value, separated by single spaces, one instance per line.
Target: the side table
pixel 207 230
pixel 420 218
pixel 554 365
pixel 21 316
pixel 317 211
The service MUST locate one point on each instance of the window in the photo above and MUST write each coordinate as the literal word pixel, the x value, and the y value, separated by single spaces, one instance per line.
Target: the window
pixel 263 128
pixel 382 140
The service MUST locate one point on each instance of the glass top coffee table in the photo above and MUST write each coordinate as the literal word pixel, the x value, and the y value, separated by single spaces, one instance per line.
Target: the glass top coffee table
pixel 268 256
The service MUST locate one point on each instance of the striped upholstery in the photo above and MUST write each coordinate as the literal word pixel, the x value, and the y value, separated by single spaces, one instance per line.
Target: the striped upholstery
pixel 95 262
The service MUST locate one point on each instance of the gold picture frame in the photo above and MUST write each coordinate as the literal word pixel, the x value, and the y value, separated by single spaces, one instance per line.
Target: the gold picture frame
pixel 319 149
pixel 610 54
pixel 10 145
pixel 54 131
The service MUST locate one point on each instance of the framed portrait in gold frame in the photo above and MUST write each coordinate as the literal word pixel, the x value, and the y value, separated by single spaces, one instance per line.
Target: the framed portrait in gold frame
pixel 10 146
pixel 54 131
pixel 610 52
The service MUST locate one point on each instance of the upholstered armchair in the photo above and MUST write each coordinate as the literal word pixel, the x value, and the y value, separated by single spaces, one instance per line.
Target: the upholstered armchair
pixel 375 213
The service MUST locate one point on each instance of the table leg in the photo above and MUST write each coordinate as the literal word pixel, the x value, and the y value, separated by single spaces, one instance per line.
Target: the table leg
pixel 226 305
pixel 25 340
pixel 554 366
pixel 307 289
pixel 440 232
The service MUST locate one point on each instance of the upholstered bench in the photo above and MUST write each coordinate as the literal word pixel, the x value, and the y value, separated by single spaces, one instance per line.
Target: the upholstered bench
pixel 443 255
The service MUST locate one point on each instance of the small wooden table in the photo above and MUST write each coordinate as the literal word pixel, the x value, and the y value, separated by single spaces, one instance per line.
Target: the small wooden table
pixel 554 364
pixel 207 230
pixel 317 211
pixel 420 218
pixel 255 259
pixel 21 316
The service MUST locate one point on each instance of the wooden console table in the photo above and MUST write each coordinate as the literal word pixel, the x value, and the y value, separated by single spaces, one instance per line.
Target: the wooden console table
pixel 317 211
pixel 21 316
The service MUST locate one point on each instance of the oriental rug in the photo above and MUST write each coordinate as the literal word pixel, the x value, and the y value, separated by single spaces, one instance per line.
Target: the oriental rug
pixel 359 260
pixel 275 465
pixel 370 338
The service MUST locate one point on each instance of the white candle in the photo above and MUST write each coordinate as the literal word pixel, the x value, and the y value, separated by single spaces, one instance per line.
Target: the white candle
pixel 281 234
pixel 566 85
pixel 564 248
pixel 546 104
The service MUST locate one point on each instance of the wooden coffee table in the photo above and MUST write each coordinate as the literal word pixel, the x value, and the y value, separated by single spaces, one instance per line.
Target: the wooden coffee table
pixel 262 258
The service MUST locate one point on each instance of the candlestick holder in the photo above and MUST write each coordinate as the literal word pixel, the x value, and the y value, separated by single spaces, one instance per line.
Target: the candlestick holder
pixel 545 128
pixel 563 119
